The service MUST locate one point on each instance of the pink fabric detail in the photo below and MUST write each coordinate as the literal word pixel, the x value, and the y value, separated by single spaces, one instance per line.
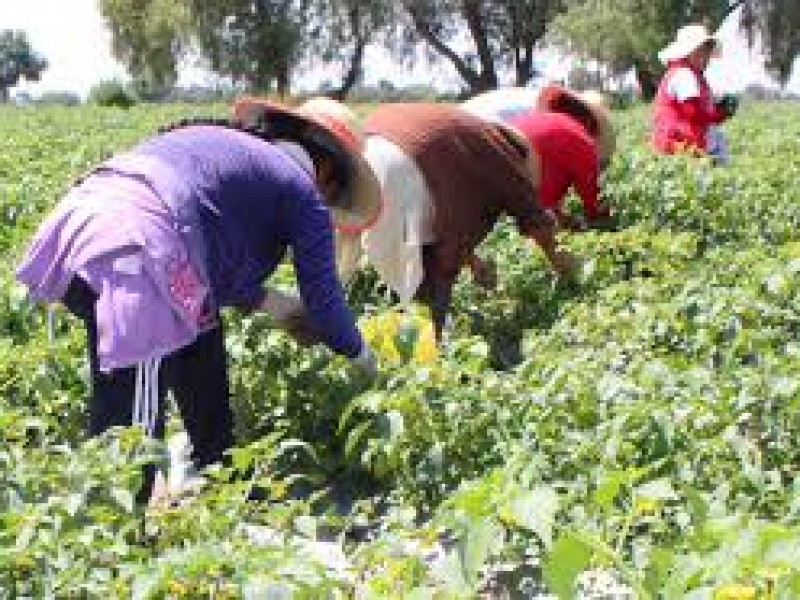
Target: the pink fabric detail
pixel 118 235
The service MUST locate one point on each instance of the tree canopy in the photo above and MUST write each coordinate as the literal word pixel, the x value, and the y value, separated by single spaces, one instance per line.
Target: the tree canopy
pixel 263 43
pixel 499 35
pixel 148 37
pixel 18 61
pixel 626 34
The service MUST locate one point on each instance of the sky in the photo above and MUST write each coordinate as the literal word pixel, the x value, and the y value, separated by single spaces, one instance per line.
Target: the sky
pixel 72 35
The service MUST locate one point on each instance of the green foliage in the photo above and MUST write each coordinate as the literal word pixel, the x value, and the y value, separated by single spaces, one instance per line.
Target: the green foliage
pixel 17 61
pixel 148 37
pixel 639 422
pixel 626 34
pixel 111 93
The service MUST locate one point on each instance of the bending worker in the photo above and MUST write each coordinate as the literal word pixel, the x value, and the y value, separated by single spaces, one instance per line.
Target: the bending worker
pixel 149 247
pixel 572 139
pixel 685 114
pixel 447 176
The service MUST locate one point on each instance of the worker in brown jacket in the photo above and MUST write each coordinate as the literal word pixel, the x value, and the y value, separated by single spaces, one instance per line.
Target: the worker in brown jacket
pixel 446 177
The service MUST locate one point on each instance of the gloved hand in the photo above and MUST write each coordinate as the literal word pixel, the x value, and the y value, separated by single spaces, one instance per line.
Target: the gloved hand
pixel 298 326
pixel 602 221
pixel 366 361
pixel 563 263
pixel 728 104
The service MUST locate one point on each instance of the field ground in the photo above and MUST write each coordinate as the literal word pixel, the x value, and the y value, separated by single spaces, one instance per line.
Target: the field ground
pixel 639 423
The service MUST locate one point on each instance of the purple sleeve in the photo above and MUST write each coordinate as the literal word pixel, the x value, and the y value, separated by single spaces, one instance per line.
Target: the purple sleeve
pixel 311 239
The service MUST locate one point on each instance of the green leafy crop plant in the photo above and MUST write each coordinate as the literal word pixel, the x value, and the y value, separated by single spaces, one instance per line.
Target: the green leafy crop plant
pixel 637 424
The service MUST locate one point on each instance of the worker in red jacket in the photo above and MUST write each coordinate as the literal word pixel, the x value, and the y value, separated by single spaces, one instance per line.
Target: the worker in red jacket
pixel 571 137
pixel 685 113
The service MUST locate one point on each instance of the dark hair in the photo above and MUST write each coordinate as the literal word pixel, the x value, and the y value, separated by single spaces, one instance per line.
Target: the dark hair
pixel 577 109
pixel 256 129
pixel 318 145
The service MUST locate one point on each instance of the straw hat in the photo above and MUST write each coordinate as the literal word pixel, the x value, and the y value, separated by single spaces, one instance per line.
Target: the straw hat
pixel 551 96
pixel 688 39
pixel 333 128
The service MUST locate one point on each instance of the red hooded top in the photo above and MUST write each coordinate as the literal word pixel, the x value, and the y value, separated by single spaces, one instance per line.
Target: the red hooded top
pixel 568 158
pixel 683 110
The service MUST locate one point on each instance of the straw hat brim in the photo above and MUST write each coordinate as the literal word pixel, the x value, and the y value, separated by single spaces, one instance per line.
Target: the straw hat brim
pixel 359 205
pixel 595 103
pixel 680 49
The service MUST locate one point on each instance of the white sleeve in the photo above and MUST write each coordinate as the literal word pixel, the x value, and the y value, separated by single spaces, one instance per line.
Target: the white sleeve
pixel 683 84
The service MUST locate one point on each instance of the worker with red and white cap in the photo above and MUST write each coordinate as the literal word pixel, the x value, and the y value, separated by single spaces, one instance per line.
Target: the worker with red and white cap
pixel 686 115
pixel 572 139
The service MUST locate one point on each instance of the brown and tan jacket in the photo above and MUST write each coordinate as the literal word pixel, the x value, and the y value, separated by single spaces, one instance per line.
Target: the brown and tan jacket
pixel 476 171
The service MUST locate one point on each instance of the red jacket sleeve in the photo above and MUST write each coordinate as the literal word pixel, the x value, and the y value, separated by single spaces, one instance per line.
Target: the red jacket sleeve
pixel 695 111
pixel 585 172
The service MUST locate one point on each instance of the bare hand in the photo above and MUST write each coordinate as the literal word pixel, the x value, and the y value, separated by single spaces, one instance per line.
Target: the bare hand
pixel 484 271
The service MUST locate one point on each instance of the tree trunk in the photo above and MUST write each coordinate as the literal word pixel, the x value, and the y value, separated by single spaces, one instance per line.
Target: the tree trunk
pixel 353 73
pixel 523 65
pixel 648 82
pixel 283 80
pixel 477 28
pixel 476 81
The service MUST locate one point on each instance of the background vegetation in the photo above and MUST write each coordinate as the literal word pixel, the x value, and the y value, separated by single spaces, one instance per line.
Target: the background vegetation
pixel 639 423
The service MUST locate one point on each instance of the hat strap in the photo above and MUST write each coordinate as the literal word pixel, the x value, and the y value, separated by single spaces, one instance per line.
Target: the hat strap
pixel 344 133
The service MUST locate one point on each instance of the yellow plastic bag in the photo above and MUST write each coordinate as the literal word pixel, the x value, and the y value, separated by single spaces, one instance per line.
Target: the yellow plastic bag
pixel 401 336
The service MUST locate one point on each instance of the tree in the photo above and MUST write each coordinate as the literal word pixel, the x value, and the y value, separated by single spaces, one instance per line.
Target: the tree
pixel 17 61
pixel 777 24
pixel 255 43
pixel 519 27
pixel 625 34
pixel 501 34
pixel 148 37
pixel 340 31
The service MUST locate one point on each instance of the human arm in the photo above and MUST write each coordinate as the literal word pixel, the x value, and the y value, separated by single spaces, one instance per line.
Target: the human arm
pixel 310 235
pixel 585 170
pixel 326 316
pixel 695 110
pixel 539 224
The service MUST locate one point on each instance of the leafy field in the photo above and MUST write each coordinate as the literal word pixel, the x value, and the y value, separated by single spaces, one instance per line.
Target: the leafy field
pixel 639 424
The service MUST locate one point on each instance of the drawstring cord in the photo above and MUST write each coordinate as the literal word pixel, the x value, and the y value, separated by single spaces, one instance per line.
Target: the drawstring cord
pixel 51 325
pixel 145 401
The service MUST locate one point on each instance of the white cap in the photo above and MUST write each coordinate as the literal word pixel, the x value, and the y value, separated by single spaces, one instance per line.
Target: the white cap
pixel 688 39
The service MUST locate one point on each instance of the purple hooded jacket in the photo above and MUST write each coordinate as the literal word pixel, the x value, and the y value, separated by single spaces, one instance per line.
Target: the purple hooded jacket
pixel 254 204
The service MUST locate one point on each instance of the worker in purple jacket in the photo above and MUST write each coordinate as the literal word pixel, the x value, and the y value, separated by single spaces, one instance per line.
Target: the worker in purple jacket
pixel 150 245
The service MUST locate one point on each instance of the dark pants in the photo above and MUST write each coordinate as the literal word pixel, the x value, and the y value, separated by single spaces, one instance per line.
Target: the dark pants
pixel 197 375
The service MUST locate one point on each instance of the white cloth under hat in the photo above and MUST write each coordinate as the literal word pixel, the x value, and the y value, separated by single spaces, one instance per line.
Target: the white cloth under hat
pixel 394 244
